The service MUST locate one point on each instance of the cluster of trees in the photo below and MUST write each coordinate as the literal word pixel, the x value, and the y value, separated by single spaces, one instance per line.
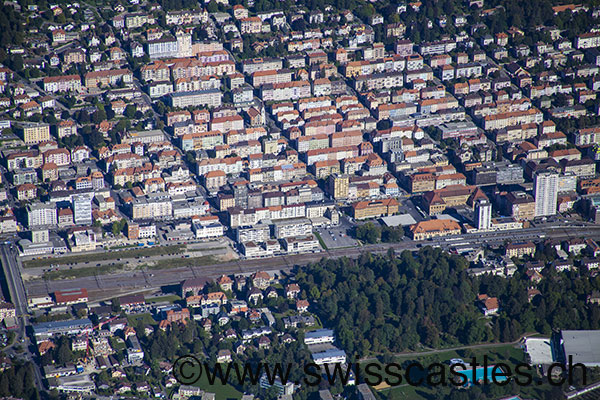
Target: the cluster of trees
pixel 18 382
pixel 11 26
pixel 427 298
pixel 571 124
pixel 52 317
pixel 399 301
pixel 179 340
pixel 373 233
pixel 192 339
pixel 118 226
pixel 84 117
pixel 169 5
pixel 61 354
pixel 562 304
pixel 70 142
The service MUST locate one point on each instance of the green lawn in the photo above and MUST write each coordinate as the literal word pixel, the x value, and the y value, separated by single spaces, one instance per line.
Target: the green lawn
pixel 116 345
pixel 508 354
pixel 104 256
pixel 222 392
pixel 320 239
pixel 183 262
pixel 146 318
pixel 428 393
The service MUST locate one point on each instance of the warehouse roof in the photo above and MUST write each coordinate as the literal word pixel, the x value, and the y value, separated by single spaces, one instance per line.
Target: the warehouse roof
pixel 584 346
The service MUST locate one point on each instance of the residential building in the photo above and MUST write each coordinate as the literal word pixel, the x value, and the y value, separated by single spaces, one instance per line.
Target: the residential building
pixel 41 214
pixel 375 208
pixel 34 133
pixel 483 214
pixel 82 209
pixel 546 192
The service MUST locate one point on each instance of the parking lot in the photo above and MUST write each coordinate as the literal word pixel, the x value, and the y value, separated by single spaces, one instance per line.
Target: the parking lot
pixel 336 237
pixel 409 207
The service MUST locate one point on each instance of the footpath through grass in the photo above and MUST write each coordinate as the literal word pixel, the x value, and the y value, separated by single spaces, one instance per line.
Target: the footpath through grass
pixel 106 255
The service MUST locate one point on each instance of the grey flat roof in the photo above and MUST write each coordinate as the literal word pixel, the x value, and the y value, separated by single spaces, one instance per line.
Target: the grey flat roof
pixel 539 350
pixel 584 346
pixel 44 327
pixel 319 333
pixel 396 220
pixel 329 353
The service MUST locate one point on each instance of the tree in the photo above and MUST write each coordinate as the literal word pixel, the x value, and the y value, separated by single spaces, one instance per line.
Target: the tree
pixel 99 115
pixel 391 234
pixel 118 226
pixel 130 111
pixel 212 7
pixel 17 63
pixel 298 25
pixel 369 233
pixel 83 117
pixel 96 140
pixel 115 305
pixel 64 353
pixel 190 157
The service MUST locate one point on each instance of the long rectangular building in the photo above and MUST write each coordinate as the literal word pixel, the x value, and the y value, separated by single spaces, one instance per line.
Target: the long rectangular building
pixel 434 228
pixel 504 120
pixel 261 64
pixel 45 330
pixel 210 98
pixel 374 209
pixel 62 83
pixel 285 91
pixel 109 77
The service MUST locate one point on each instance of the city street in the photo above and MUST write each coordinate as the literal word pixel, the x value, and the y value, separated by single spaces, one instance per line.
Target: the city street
pixel 10 264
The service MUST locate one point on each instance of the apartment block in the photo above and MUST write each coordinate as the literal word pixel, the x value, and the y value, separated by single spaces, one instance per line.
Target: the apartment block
pixel 286 91
pixel 34 133
pixel 63 83
pixel 108 77
pixel 210 98
pixel 374 209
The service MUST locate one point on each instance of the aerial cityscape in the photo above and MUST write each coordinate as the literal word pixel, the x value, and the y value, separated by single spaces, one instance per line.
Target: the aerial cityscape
pixel 372 193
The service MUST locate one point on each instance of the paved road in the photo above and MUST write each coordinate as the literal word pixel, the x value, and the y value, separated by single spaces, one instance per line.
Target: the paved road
pixel 15 286
pixel 107 286
pixel 19 299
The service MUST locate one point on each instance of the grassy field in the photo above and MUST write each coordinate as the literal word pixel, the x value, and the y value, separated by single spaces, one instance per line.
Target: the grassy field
pixel 320 239
pixel 81 272
pixel 117 345
pixel 146 318
pixel 508 354
pixel 222 392
pixel 170 299
pixel 104 256
pixel 182 262
pixel 428 393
